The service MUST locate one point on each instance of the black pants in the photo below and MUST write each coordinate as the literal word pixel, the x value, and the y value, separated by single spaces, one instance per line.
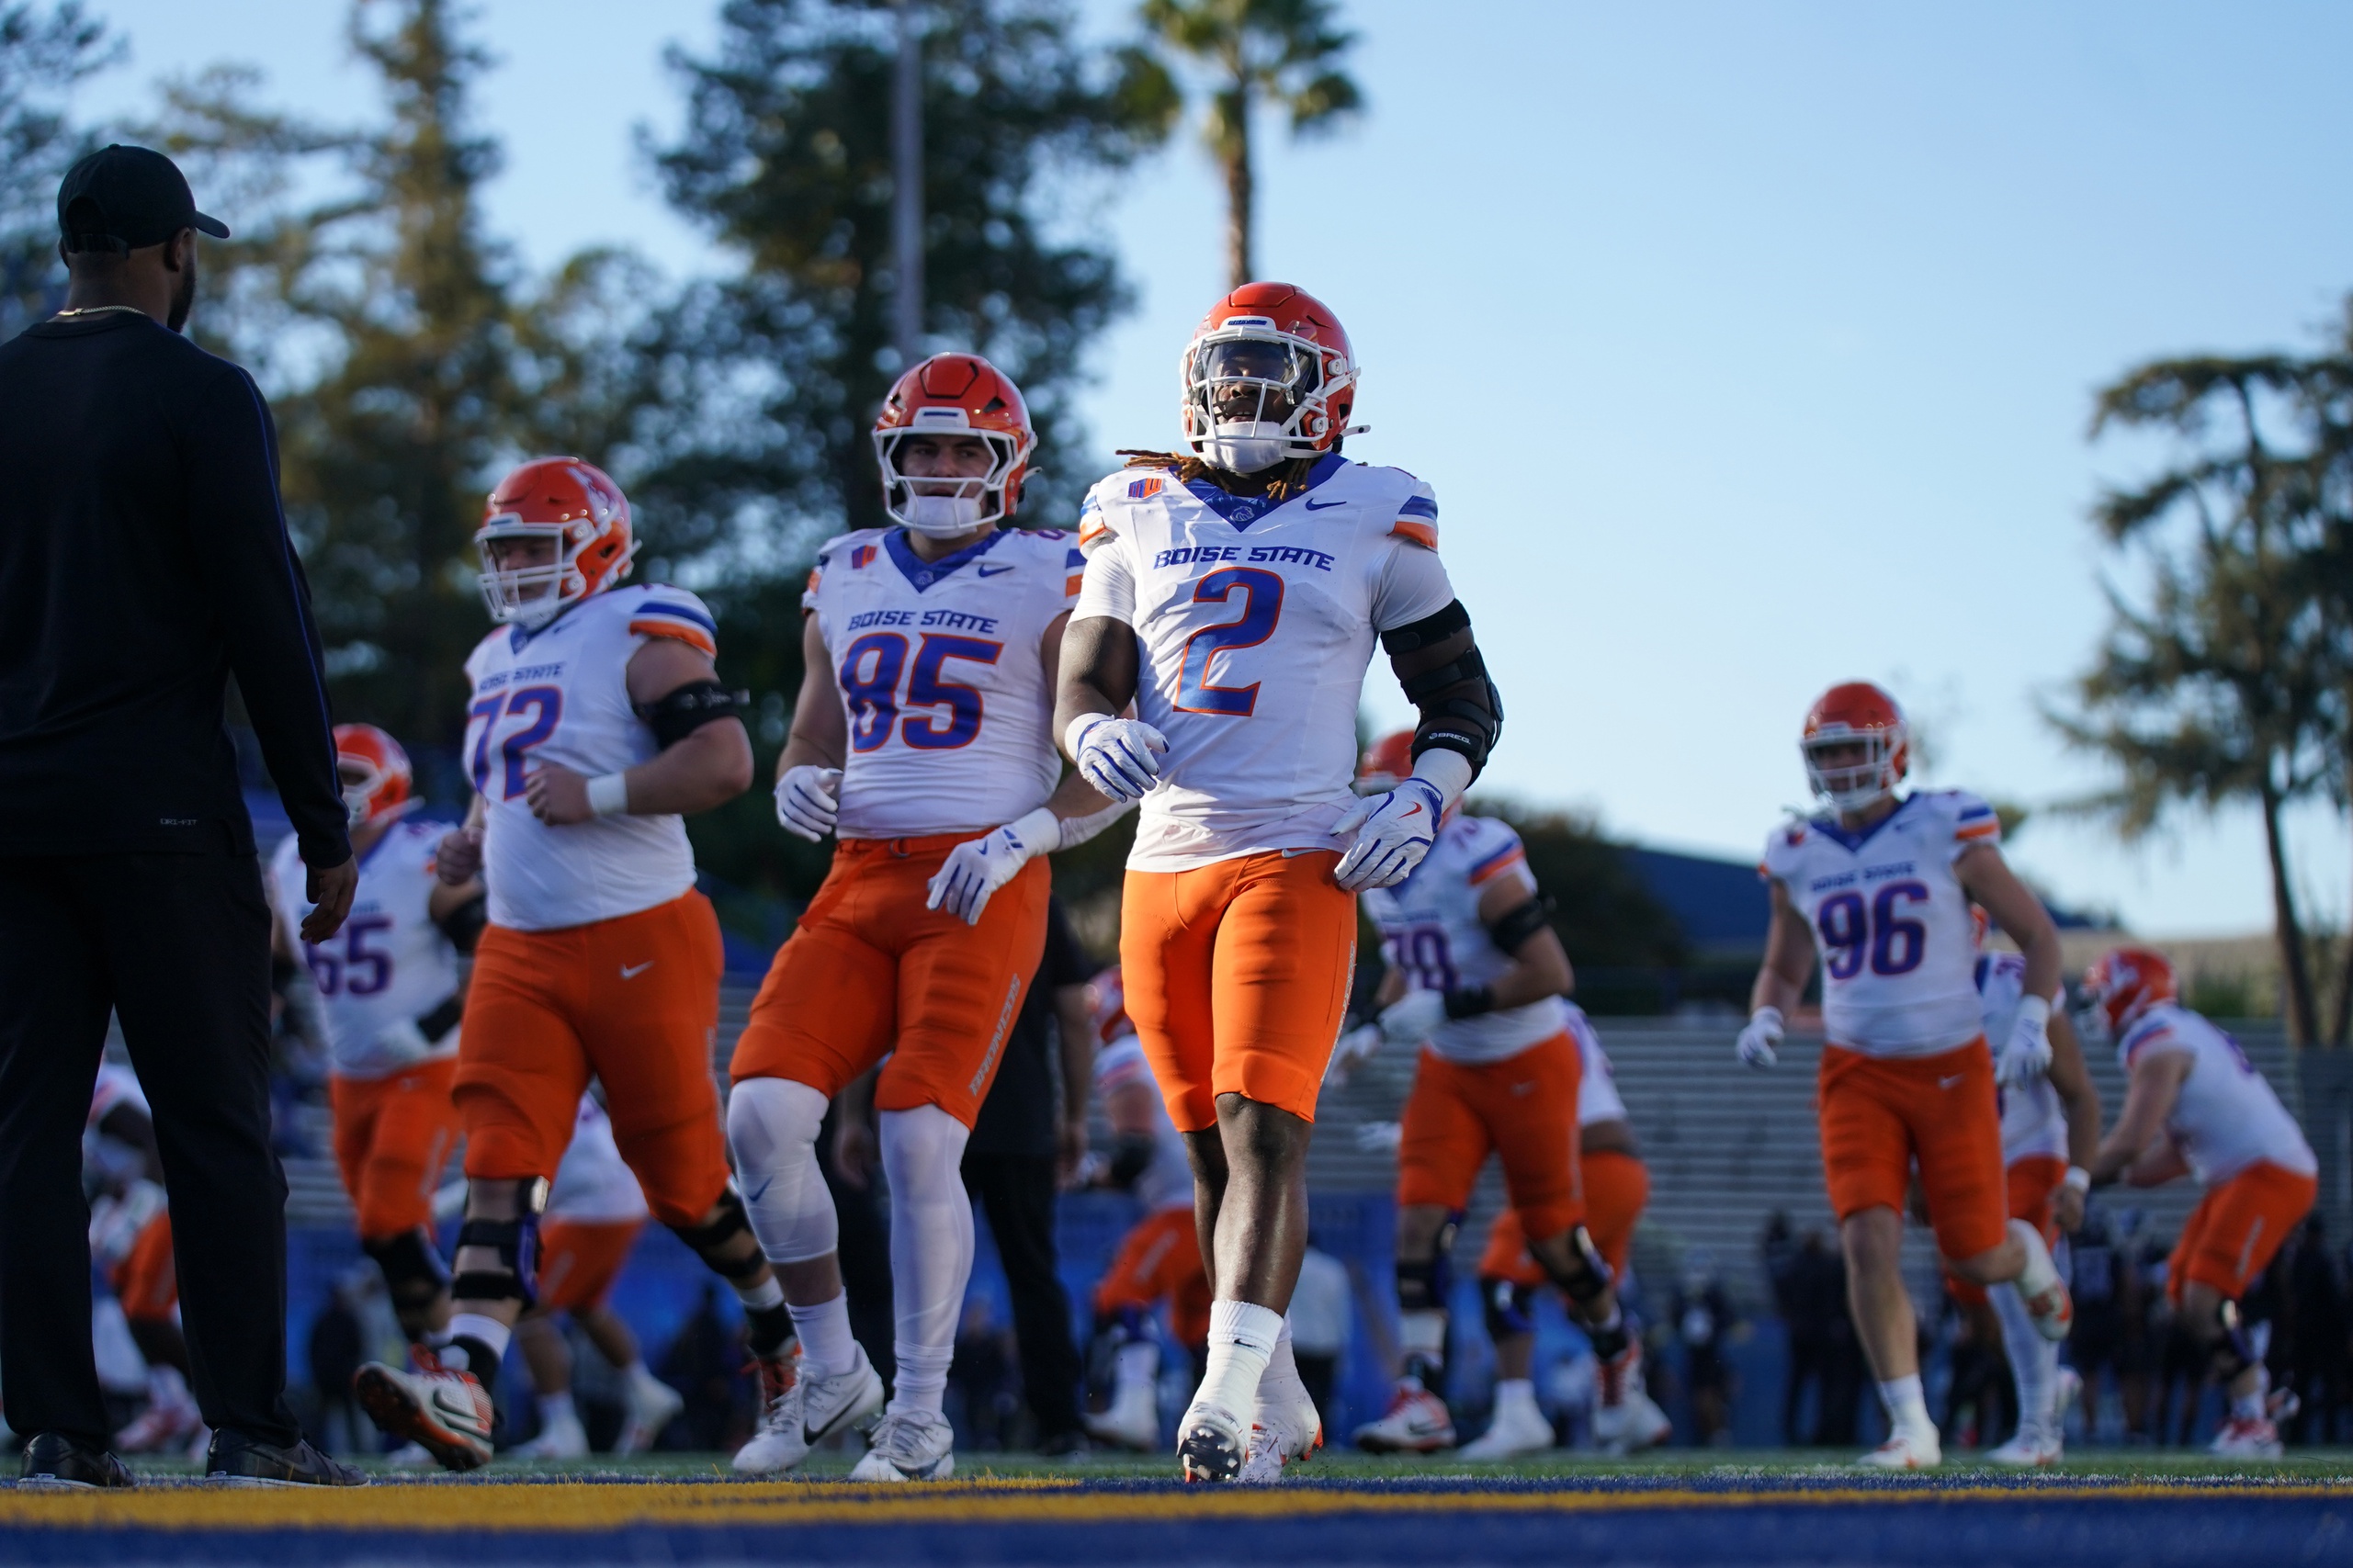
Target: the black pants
pixel 179 947
pixel 1016 1192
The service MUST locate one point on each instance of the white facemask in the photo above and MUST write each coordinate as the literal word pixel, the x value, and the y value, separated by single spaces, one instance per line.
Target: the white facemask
pixel 942 516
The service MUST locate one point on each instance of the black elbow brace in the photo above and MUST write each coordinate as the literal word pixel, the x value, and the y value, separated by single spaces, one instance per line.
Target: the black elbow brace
pixel 1521 923
pixel 463 925
pixel 1461 708
pixel 691 707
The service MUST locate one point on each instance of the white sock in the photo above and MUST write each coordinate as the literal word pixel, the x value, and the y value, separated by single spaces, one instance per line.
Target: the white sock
pixel 772 1127
pixel 2040 1273
pixel 1907 1408
pixel 767 1293
pixel 555 1409
pixel 931 1247
pixel 1513 1394
pixel 1242 1336
pixel 2034 1362
pixel 1280 1382
pixel 826 1348
pixel 494 1333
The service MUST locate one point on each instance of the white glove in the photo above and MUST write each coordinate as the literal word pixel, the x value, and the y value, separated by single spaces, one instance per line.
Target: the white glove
pixel 1380 1137
pixel 1757 1041
pixel 977 868
pixel 2027 1054
pixel 807 802
pixel 1118 756
pixel 1409 1020
pixel 1392 833
pixel 1354 1046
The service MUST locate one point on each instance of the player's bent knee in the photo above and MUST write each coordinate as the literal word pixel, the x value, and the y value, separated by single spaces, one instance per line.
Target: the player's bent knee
pixel 1424 1283
pixel 723 1240
pixel 1582 1274
pixel 499 1259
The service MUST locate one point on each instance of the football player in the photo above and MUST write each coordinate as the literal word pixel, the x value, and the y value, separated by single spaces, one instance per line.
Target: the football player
pixel 595 1210
pixel 1879 887
pixel 130 1243
pixel 389 997
pixel 1473 977
pixel 1234 591
pixel 2050 1131
pixel 1157 1260
pixel 920 739
pixel 2195 1106
pixel 597 724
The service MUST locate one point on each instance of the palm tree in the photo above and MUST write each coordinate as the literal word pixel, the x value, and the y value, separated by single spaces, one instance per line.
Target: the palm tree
pixel 1285 52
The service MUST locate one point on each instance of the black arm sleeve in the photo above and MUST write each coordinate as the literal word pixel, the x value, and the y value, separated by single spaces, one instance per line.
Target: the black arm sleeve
pixel 229 448
pixel 1461 709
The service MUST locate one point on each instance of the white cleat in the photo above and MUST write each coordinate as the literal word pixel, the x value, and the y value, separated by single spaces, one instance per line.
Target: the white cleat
pixel 1518 1428
pixel 799 1412
pixel 2242 1439
pixel 2029 1451
pixel 448 1413
pixel 1279 1437
pixel 909 1446
pixel 1417 1422
pixel 565 1438
pixel 1905 1451
pixel 1634 1423
pixel 653 1404
pixel 1211 1443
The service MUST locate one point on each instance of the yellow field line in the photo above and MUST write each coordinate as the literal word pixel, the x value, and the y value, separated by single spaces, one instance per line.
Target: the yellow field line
pixel 587 1508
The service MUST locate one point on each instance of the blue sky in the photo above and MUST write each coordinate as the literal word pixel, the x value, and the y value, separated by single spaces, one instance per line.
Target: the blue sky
pixel 1748 347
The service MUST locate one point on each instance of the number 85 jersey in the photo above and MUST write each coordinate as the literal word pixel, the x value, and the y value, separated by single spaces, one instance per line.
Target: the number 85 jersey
pixel 1891 921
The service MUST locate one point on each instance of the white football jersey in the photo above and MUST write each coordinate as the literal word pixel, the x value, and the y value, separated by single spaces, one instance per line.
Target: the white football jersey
pixel 389 965
pixel 594 1185
pixel 1431 930
pixel 1597 1085
pixel 560 695
pixel 1891 921
pixel 1255 624
pixel 2227 1117
pixel 951 716
pixel 1167 1181
pixel 2034 1122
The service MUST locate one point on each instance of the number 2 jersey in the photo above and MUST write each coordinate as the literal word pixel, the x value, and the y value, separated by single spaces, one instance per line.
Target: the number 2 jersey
pixel 1890 920
pixel 389 965
pixel 560 695
pixel 1431 929
pixel 951 722
pixel 2227 1117
pixel 1255 622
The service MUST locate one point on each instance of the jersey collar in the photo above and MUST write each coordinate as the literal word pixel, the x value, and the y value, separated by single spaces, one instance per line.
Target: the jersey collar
pixel 1241 511
pixel 1830 828
pixel 923 573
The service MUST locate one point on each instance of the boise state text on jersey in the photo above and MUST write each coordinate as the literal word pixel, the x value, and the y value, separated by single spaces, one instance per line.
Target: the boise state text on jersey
pixel 389 965
pixel 1890 920
pixel 942 678
pixel 1256 621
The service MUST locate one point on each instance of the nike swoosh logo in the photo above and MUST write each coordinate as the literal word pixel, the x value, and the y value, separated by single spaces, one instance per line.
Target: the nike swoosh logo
pixel 630 972
pixel 1295 854
pixel 1415 812
pixel 1955 1079
pixel 993 571
pixel 1324 505
pixel 758 1192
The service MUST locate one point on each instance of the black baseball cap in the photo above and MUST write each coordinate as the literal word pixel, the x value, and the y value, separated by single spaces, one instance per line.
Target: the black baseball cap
pixel 126 197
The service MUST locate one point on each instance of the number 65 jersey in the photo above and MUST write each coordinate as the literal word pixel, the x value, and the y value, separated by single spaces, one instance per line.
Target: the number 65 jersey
pixel 1891 921
pixel 1255 621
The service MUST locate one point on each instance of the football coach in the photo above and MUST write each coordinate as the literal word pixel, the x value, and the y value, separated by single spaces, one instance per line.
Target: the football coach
pixel 143 561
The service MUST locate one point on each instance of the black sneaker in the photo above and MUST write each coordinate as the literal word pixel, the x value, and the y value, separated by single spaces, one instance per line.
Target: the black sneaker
pixel 52 1459
pixel 242 1460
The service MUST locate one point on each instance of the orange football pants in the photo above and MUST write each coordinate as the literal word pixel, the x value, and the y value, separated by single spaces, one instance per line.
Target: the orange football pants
pixel 578 1260
pixel 869 972
pixel 1522 1108
pixel 633 1002
pixel 393 1135
pixel 2232 1234
pixel 1617 1189
pixel 147 1280
pixel 1237 978
pixel 2033 1181
pixel 1880 1114
pixel 1160 1260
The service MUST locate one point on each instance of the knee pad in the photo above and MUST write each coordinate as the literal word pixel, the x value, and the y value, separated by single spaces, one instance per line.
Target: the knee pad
pixel 1593 1275
pixel 711 1240
pixel 1509 1307
pixel 1424 1286
pixel 516 1243
pixel 413 1272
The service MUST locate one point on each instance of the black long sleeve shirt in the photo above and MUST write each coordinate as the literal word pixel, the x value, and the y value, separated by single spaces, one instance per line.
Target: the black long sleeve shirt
pixel 143 558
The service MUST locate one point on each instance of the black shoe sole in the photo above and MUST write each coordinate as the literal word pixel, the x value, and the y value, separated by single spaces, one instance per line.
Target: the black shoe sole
pixel 1209 1455
pixel 393 1411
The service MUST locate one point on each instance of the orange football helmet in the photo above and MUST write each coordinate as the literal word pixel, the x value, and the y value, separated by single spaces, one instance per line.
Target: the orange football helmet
pixel 954 394
pixel 2127 982
pixel 576 506
pixel 1857 712
pixel 1268 376
pixel 1386 763
pixel 375 773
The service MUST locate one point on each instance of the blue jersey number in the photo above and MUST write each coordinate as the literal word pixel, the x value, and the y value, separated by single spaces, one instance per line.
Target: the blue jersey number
pixel 1893 943
pixel 1261 596
pixel 1423 954
pixel 359 970
pixel 547 707
pixel 869 678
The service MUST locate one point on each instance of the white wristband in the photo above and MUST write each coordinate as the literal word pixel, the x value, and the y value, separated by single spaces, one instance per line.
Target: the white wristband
pixel 609 794
pixel 1039 832
pixel 2076 1177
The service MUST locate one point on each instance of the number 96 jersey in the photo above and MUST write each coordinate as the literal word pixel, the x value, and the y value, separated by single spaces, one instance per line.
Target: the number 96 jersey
pixel 938 662
pixel 1891 921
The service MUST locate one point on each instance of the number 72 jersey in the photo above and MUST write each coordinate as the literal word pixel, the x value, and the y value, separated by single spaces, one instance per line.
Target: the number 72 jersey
pixel 1891 921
